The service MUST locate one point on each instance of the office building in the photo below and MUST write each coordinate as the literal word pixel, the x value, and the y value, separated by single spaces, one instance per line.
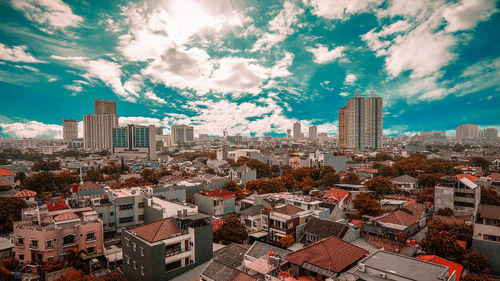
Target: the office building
pixel 313 132
pixel 491 133
pixel 135 142
pixel 468 131
pixel 70 130
pixel 98 127
pixel 297 132
pixel 360 123
pixel 182 134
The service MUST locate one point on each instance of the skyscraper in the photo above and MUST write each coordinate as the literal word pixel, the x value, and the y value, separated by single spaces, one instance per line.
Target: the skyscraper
pixel 491 133
pixel 182 134
pixel 135 142
pixel 70 130
pixel 98 127
pixel 313 132
pixel 468 131
pixel 360 123
pixel 297 132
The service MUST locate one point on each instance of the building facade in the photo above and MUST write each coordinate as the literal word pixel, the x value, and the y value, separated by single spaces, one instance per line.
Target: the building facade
pixel 182 134
pixel 491 133
pixel 297 131
pixel 468 131
pixel 313 132
pixel 98 127
pixel 486 239
pixel 135 142
pixel 70 130
pixel 360 123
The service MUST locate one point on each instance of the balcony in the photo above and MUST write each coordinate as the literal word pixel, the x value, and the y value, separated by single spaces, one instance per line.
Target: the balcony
pixel 19 245
pixel 178 255
pixel 33 246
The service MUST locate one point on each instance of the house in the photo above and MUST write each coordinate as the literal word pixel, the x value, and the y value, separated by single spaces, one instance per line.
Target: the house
pixel 257 260
pixel 7 176
pixel 486 238
pixel 27 195
pixel 251 218
pixel 454 268
pixel 390 230
pixel 166 248
pixel 215 202
pixel 340 199
pixel 382 265
pixel 327 258
pixel 227 265
pixel 89 188
pixel 405 183
pixel 42 235
pixel 317 229
pixel 463 198
pixel 242 174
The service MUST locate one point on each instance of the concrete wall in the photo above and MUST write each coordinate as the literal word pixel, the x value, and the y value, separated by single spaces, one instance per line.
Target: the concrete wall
pixel 229 205
pixel 443 197
pixel 491 250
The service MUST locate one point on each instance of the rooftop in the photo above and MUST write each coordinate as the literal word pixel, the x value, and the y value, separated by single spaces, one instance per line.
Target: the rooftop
pixel 399 217
pixel 454 267
pixel 288 210
pixel 489 212
pixel 26 193
pixel 5 172
pixel 220 193
pixel 156 231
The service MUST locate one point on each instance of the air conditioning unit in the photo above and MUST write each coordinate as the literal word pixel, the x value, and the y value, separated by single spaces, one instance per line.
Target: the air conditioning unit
pixel 382 275
pixel 362 267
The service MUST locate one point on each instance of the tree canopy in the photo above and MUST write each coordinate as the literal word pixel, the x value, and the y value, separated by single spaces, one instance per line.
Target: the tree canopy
pixel 232 231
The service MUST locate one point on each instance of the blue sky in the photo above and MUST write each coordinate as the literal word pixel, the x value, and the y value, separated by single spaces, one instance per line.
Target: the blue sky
pixel 249 67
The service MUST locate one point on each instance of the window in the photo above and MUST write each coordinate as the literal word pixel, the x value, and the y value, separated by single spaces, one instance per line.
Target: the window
pixel 34 242
pixel 126 219
pixel 142 251
pixel 100 215
pixel 49 243
pixel 111 214
pixel 135 265
pixel 140 217
pixel 141 205
pixel 134 246
pixel 69 239
pixel 20 240
pixel 127 258
pixel 21 257
pixel 111 224
pixel 90 236
pixel 126 207
pixel 127 242
pixel 91 249
pixel 190 243
pixel 142 270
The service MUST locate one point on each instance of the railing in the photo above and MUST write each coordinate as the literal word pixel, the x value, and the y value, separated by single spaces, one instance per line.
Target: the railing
pixel 176 252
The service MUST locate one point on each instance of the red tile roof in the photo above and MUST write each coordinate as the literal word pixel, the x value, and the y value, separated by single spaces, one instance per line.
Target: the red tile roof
pixel 469 177
pixel 330 253
pixel 5 182
pixel 156 231
pixel 26 193
pixel 454 267
pixel 288 210
pixel 335 194
pixel 66 217
pixel 494 177
pixel 89 185
pixel 221 193
pixel 400 217
pixel 5 172
pixel 417 209
pixel 451 220
pixel 56 206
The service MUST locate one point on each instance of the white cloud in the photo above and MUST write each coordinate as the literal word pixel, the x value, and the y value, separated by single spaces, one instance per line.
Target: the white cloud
pixel 340 9
pixel 106 71
pixel 139 120
pixel 152 96
pixel 76 88
pixel 280 69
pixel 349 79
pixel 31 129
pixel 467 13
pixel 323 55
pixel 280 27
pixel 436 94
pixel 344 94
pixel 16 54
pixel 53 13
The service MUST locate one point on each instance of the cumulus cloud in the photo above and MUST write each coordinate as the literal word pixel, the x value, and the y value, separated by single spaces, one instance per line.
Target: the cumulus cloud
pixel 340 9
pixel 152 96
pixel 467 13
pixel 55 14
pixel 107 71
pixel 16 54
pixel 349 79
pixel 31 129
pixel 323 55
pixel 280 27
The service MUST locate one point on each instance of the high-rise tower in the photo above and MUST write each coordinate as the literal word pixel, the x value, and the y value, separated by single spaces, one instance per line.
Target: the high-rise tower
pixel 70 130
pixel 98 127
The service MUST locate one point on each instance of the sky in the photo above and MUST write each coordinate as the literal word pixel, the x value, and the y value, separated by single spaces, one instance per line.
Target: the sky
pixel 250 67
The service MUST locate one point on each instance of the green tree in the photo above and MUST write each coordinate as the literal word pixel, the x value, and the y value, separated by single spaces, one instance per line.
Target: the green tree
pixel 447 212
pixel 232 231
pixel 287 240
pixel 330 179
pixel 428 180
pixel 366 204
pixel 45 166
pixel 351 178
pixel 64 180
pixel 40 182
pixel 475 262
pixel 10 211
pixel 94 176
pixel 443 244
pixel 381 185
pixel 426 195
pixel 150 176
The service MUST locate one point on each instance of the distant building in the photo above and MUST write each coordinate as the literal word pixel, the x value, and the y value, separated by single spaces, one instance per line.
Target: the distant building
pixel 182 134
pixel 134 142
pixel 164 249
pixel 70 130
pixel 491 133
pixel 313 132
pixel 215 202
pixel 468 131
pixel 433 135
pixel 204 137
pixel 360 123
pixel 297 132
pixel 98 127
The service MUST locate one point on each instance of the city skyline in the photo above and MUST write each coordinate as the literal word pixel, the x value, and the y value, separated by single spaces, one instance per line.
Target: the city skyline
pixel 248 68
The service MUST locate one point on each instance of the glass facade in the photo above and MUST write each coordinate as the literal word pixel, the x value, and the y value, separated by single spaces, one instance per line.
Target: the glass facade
pixel 120 137
pixel 141 136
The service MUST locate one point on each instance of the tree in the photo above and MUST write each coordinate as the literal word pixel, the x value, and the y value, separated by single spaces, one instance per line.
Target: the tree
pixel 94 176
pixel 65 179
pixel 21 176
pixel 475 262
pixel 150 176
pixel 480 162
pixel 386 171
pixel 52 265
pixel 40 182
pixel 428 180
pixel 478 277
pixel 426 195
pixel 112 168
pixel 74 275
pixel 351 178
pixel 232 231
pixel 381 185
pixel 366 204
pixel 10 211
pixel 443 244
pixel 231 186
pixel 489 196
pixel 45 166
pixel 447 212
pixel 289 182
pixel 330 179
pixel 46 197
pixel 114 276
pixel 287 240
